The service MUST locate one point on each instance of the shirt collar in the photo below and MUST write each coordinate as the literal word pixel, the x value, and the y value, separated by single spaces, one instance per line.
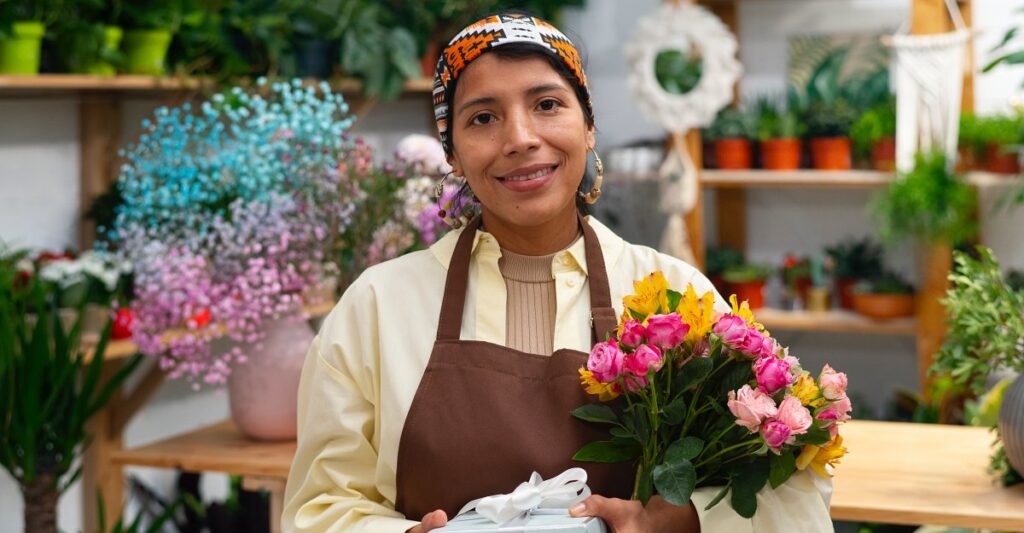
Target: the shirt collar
pixel 611 246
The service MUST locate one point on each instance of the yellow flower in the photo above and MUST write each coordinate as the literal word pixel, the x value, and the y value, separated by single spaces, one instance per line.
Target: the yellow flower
pixel 817 457
pixel 743 311
pixel 698 313
pixel 604 391
pixel 650 296
pixel 807 391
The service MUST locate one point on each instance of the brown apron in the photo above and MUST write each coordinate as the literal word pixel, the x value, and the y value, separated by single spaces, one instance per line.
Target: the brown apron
pixel 486 416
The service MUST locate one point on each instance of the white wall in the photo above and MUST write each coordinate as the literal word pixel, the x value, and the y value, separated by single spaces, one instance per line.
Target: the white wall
pixel 39 189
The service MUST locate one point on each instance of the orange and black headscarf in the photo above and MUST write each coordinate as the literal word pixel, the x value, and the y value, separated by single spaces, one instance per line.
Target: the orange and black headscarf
pixel 489 33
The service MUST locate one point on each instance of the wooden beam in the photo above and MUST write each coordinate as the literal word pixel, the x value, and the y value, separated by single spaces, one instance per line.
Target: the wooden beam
pixel 99 473
pixel 935 263
pixel 929 16
pixel 731 218
pixel 99 131
pixel 136 400
pixel 967 97
pixel 695 218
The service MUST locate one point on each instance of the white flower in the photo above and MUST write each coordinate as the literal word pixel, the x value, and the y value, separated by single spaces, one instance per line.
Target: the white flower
pixel 423 150
pixel 64 272
pixel 416 197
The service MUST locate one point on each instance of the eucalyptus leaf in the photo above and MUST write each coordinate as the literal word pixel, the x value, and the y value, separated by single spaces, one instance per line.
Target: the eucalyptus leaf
pixel 608 451
pixel 676 481
pixel 747 481
pixel 685 449
pixel 596 412
pixel 675 412
pixel 782 467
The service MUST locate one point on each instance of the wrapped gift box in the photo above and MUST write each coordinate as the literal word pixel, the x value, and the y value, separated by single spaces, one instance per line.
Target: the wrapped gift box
pixel 541 520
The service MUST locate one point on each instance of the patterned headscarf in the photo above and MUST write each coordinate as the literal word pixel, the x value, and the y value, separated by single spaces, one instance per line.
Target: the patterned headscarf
pixel 492 32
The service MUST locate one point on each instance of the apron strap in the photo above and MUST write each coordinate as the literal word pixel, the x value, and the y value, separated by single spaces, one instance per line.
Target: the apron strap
pixel 603 317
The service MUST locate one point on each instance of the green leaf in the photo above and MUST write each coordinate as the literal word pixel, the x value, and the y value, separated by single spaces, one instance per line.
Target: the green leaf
pixel 1013 58
pixel 645 485
pixel 596 412
pixel 609 451
pixel 675 481
pixel 718 497
pixel 673 299
pixel 685 449
pixel 782 467
pixel 693 373
pixel 746 482
pixel 675 412
pixel 622 433
pixel 735 376
pixel 815 435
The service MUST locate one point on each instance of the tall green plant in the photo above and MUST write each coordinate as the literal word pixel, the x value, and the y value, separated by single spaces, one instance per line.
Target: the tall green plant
pixel 11 11
pixel 49 389
pixel 382 55
pixel 930 203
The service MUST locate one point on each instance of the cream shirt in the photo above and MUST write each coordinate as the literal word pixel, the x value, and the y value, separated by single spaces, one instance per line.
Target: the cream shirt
pixel 365 365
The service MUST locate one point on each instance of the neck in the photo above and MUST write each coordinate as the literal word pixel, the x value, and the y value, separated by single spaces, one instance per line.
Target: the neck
pixel 542 239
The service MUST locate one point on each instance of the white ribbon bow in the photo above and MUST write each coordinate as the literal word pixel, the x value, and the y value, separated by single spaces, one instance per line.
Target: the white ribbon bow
pixel 560 492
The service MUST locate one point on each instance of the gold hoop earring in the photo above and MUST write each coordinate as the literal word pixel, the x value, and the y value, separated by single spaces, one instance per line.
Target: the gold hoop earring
pixel 591 197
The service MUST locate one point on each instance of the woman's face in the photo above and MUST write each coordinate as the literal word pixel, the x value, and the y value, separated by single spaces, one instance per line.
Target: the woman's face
pixel 520 139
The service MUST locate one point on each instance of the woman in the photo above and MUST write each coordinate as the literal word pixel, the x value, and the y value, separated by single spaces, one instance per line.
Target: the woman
pixel 404 417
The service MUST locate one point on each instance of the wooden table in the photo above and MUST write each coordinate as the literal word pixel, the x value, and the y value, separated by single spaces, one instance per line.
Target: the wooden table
pixel 895 473
pixel 922 474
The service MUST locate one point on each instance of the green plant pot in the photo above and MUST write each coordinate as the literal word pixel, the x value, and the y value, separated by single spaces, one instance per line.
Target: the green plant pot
pixel 19 54
pixel 111 41
pixel 145 51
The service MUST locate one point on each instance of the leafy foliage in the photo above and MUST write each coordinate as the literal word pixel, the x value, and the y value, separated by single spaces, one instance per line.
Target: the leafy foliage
pixel 731 123
pixel 856 258
pixel 986 324
pixel 930 203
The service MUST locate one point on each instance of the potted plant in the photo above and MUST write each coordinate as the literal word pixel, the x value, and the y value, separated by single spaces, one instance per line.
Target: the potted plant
pixel 818 294
pixel 874 136
pixel 986 334
pixel 88 38
pixel 23 24
pixel 796 275
pixel 149 28
pixel 90 282
pixel 971 147
pixel 731 133
pixel 884 297
pixel 930 203
pixel 854 260
pixel 719 259
pixel 997 134
pixel 779 131
pixel 376 51
pixel 50 392
pixel 828 127
pixel 316 27
pixel 747 282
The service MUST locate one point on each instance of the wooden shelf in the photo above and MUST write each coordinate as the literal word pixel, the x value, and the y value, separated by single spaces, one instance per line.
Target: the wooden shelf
pixel 11 85
pixel 826 179
pixel 833 321
pixel 121 349
pixel 219 448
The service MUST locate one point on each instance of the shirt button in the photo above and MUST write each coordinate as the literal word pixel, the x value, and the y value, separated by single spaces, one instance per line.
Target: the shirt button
pixel 570 282
pixel 565 260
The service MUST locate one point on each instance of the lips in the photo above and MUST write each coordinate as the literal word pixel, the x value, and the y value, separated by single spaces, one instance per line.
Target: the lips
pixel 529 173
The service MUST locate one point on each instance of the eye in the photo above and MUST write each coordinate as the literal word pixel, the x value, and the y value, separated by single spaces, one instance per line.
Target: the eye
pixel 482 119
pixel 549 104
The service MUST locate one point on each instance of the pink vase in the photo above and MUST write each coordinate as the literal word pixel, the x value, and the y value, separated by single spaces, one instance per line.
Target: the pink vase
pixel 263 392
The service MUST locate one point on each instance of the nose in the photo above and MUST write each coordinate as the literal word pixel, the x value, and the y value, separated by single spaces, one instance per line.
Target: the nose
pixel 520 134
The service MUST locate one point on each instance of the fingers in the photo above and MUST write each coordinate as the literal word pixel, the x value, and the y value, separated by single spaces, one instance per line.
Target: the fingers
pixel 433 520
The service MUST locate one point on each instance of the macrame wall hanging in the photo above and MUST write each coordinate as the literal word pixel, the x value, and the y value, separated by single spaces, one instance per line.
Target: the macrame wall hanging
pixel 929 83
pixel 701 38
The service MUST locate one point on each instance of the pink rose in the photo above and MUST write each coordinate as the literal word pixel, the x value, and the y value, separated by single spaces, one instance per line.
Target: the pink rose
pixel 633 334
pixel 836 413
pixel 643 359
pixel 832 383
pixel 634 383
pixel 767 348
pixel 772 374
pixel 732 330
pixel 605 361
pixel 775 434
pixel 794 365
pixel 795 416
pixel 666 331
pixel 751 407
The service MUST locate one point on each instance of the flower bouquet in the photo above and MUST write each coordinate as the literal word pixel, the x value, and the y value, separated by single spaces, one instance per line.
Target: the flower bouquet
pixel 700 399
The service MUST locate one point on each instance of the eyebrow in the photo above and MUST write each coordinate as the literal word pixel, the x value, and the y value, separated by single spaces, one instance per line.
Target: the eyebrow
pixel 532 91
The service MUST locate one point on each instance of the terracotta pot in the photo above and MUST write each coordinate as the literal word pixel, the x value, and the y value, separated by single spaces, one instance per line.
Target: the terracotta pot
pixel 751 291
pixel 263 391
pixel 732 154
pixel 883 155
pixel 996 160
pixel 883 306
pixel 780 154
pixel 965 159
pixel 428 61
pixel 831 153
pixel 844 287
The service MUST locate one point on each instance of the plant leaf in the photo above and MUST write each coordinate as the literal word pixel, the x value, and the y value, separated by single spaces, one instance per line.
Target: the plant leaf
pixel 685 449
pixel 608 451
pixel 675 412
pixel 693 373
pixel 718 497
pixel 746 482
pixel 675 481
pixel 782 467
pixel 596 412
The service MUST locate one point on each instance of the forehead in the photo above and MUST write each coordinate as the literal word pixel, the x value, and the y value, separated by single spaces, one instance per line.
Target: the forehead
pixel 494 76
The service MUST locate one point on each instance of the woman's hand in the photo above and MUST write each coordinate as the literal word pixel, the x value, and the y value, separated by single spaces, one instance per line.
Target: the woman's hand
pixel 630 516
pixel 430 521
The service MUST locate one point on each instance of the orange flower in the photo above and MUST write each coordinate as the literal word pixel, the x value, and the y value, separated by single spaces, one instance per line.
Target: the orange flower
pixel 698 313
pixel 604 391
pixel 650 296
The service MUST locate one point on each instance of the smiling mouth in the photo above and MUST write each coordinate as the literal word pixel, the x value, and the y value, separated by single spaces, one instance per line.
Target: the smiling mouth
pixel 531 176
